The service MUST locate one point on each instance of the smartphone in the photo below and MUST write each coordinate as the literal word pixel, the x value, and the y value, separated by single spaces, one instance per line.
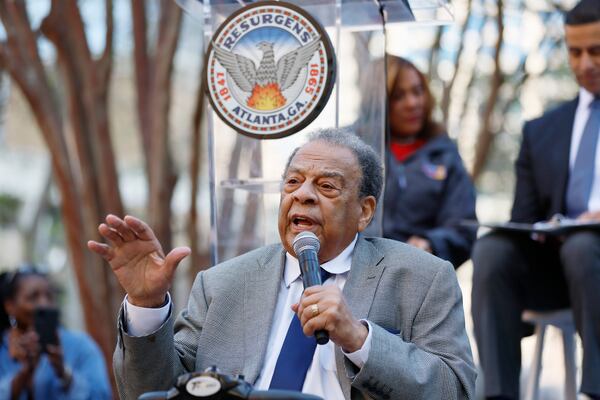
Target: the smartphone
pixel 46 326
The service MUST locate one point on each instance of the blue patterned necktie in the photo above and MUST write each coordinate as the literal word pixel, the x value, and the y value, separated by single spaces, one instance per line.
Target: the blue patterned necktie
pixel 296 355
pixel 582 174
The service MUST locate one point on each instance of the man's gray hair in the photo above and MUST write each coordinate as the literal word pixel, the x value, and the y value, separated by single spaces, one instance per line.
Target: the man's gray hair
pixel 369 162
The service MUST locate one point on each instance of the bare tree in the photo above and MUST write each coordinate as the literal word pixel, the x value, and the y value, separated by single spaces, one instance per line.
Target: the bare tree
pixel 493 92
pixel 85 174
pixel 153 70
pixel 4 94
pixel 485 136
pixel 79 142
pixel 447 87
pixel 198 258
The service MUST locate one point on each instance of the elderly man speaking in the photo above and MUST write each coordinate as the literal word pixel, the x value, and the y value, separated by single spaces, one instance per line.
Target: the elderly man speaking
pixel 394 313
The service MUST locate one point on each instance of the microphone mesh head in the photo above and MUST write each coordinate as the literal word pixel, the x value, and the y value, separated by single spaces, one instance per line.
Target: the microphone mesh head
pixel 304 241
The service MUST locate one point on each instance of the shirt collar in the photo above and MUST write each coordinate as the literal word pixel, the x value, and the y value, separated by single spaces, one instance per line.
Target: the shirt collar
pixel 338 265
pixel 585 98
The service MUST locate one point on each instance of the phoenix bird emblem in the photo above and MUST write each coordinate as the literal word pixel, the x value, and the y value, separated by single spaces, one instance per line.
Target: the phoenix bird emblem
pixel 267 82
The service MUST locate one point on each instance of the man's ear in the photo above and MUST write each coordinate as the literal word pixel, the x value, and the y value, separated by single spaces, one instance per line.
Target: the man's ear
pixel 368 205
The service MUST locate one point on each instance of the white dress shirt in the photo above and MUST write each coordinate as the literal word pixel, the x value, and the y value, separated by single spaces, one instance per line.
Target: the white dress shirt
pixel 321 378
pixel 581 117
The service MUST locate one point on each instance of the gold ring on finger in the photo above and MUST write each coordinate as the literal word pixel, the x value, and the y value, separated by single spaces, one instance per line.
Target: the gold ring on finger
pixel 314 309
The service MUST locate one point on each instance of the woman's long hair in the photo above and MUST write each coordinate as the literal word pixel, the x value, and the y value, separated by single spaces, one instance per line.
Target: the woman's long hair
pixel 395 66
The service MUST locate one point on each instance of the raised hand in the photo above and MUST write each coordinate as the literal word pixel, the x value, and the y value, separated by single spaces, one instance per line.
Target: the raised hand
pixel 24 347
pixel 137 259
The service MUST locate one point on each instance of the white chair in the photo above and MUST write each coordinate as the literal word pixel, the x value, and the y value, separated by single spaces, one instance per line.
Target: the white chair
pixel 562 319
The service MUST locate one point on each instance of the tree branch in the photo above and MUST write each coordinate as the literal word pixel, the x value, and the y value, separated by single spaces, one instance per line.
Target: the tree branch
pixel 445 103
pixel 22 30
pixel 105 62
pixel 87 105
pixel 142 74
pixel 3 65
pixel 486 136
pixel 162 176
pixel 26 69
pixel 195 173
pixel 468 87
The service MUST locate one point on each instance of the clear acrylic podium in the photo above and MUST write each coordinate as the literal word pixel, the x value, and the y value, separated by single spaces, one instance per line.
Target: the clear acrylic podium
pixel 245 173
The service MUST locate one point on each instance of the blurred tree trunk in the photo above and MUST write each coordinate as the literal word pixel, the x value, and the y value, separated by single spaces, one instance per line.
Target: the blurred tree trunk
pixel 81 151
pixel 199 259
pixel 447 89
pixel 153 71
pixel 486 132
pixel 4 96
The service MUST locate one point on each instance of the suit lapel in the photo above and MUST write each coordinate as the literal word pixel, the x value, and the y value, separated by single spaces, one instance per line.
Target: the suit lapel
pixel 562 145
pixel 363 278
pixel 359 293
pixel 260 297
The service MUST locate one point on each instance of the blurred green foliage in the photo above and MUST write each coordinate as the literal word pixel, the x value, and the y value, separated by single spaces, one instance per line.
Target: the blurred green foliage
pixel 9 209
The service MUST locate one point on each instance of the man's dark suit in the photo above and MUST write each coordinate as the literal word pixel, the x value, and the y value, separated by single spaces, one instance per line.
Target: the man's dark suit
pixel 513 272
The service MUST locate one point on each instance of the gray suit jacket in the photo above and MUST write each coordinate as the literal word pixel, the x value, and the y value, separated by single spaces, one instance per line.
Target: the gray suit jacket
pixel 419 347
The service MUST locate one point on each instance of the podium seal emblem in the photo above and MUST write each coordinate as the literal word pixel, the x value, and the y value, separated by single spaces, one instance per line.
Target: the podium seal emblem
pixel 270 69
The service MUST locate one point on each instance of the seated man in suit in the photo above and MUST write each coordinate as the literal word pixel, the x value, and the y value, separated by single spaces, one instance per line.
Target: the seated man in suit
pixel 393 313
pixel 557 172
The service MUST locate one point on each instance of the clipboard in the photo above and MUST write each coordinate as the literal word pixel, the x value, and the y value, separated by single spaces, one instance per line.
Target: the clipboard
pixel 554 227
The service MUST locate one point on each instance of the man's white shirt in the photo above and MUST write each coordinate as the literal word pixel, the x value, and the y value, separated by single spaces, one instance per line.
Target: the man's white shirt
pixel 581 117
pixel 321 379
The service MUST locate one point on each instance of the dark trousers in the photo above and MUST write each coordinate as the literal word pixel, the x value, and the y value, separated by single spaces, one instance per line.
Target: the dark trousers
pixel 513 273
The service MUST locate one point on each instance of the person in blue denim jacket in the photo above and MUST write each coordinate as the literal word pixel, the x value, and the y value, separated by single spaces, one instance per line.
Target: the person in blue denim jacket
pixel 428 192
pixel 72 369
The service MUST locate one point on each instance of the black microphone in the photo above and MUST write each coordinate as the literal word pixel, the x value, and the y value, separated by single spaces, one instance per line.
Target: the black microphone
pixel 306 246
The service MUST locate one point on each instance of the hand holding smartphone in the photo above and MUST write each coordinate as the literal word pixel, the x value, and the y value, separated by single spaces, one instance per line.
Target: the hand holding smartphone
pixel 46 326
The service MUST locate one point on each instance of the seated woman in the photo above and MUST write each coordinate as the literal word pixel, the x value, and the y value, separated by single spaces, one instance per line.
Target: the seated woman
pixel 72 369
pixel 428 191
